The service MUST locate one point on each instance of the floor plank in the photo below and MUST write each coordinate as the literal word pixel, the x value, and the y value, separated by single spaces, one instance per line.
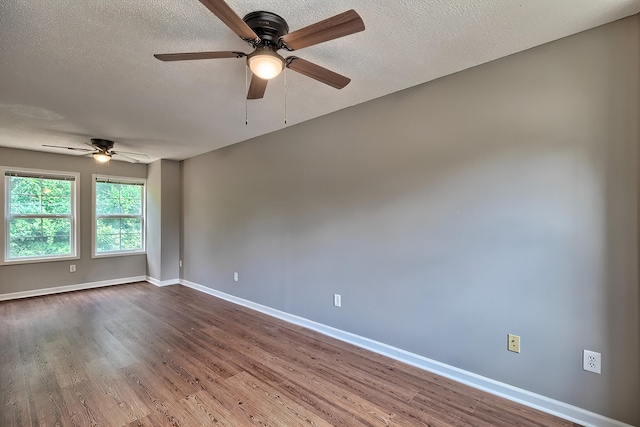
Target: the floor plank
pixel 140 356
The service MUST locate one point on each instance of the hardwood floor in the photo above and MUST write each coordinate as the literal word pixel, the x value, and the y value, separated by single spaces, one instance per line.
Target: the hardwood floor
pixel 137 355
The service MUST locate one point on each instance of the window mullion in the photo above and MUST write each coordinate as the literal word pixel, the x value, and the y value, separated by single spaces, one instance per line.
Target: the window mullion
pixel 54 216
pixel 40 196
pixel 41 236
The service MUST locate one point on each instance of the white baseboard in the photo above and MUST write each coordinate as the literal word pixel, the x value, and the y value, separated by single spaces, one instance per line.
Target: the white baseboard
pixel 533 400
pixel 69 288
pixel 160 283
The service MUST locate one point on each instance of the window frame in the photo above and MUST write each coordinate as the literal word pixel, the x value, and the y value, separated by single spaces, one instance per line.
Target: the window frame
pixel 95 216
pixel 5 233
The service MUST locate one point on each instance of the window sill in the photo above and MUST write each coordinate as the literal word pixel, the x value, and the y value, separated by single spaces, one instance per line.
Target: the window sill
pixel 115 254
pixel 38 260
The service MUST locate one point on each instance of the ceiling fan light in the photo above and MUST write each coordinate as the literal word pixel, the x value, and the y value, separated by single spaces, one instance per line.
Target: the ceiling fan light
pixel 101 157
pixel 265 64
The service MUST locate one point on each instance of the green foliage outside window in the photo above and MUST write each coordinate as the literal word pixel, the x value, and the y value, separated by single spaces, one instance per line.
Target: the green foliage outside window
pixel 119 217
pixel 40 217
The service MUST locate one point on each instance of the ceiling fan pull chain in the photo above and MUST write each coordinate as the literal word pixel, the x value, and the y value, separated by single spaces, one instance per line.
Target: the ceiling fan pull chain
pixel 285 96
pixel 246 89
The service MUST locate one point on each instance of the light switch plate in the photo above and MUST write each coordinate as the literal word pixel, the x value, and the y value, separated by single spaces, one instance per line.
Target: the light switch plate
pixel 337 300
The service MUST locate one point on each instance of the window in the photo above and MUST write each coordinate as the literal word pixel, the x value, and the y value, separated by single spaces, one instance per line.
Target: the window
pixel 119 216
pixel 40 215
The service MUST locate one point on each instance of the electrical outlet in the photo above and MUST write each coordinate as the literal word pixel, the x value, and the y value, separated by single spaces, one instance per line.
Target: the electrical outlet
pixel 72 268
pixel 592 361
pixel 180 263
pixel 513 343
pixel 337 300
pixel 235 276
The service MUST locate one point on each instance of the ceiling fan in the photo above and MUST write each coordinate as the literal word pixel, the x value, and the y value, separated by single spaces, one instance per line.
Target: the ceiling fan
pixel 102 151
pixel 267 33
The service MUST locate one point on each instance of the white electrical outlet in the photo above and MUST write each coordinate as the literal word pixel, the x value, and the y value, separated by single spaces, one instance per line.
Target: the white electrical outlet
pixel 592 361
pixel 337 300
pixel 72 268
pixel 235 276
pixel 180 263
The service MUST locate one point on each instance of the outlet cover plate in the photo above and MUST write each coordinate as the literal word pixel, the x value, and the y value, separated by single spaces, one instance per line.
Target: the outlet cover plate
pixel 592 361
pixel 513 343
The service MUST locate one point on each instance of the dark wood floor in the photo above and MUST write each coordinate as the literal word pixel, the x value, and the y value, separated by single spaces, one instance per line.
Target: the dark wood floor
pixel 137 355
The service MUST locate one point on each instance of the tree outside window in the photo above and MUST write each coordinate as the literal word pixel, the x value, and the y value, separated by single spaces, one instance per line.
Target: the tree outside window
pixel 119 216
pixel 39 216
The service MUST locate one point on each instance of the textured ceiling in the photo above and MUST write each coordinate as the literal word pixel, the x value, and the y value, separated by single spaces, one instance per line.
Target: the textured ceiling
pixel 71 70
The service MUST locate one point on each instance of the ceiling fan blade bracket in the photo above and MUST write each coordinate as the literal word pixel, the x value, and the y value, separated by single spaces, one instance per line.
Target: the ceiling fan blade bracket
pixel 253 42
pixel 282 45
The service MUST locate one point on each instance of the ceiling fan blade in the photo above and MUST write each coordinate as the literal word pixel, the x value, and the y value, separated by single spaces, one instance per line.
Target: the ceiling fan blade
pixel 222 10
pixel 198 55
pixel 317 72
pixel 130 154
pixel 257 88
pixel 67 148
pixel 337 26
pixel 127 158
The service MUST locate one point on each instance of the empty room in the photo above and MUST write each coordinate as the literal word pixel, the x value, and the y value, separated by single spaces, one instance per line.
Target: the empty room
pixel 296 213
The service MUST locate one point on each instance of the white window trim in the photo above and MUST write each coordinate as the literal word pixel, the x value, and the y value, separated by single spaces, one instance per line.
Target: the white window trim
pixel 123 180
pixel 75 216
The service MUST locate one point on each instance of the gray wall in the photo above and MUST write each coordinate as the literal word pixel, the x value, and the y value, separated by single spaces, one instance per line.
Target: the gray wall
pixel 154 220
pixel 502 199
pixel 26 277
pixel 170 219
pixel 163 220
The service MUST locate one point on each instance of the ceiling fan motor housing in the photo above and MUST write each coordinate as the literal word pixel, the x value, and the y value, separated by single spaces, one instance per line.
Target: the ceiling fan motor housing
pixel 102 144
pixel 268 26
